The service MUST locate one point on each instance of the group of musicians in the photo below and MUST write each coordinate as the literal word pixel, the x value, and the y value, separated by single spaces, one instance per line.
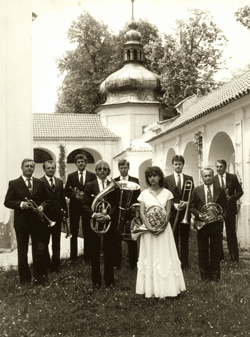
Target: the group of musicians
pixel 40 206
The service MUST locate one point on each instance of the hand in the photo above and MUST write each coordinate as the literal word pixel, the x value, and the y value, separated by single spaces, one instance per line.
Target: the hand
pixel 79 197
pixel 40 208
pixel 102 218
pixel 182 205
pixel 26 205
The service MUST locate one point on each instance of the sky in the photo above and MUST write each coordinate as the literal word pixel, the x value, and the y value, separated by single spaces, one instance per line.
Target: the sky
pixel 49 33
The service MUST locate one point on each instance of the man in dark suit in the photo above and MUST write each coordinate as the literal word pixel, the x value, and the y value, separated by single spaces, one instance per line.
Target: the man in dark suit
pixel 209 236
pixel 229 182
pixel 176 183
pixel 123 167
pixel 78 180
pixel 28 222
pixel 55 192
pixel 93 189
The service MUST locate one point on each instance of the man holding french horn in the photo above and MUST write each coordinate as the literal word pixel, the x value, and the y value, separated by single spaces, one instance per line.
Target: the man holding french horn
pixel 208 204
pixel 27 196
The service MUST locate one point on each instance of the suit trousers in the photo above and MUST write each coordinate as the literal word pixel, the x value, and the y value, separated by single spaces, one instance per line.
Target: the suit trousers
pixel 232 243
pixel 55 234
pixel 209 243
pixel 132 253
pixel 181 236
pixel 39 249
pixel 109 251
pixel 74 229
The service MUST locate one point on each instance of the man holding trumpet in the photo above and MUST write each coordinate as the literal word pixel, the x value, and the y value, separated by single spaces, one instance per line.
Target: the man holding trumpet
pixel 181 186
pixel 74 190
pixel 28 221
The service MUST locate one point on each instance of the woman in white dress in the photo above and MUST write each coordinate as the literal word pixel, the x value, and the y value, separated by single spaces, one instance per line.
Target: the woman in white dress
pixel 159 269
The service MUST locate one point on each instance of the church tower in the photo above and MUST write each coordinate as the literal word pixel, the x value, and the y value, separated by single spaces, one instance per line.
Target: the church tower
pixel 131 92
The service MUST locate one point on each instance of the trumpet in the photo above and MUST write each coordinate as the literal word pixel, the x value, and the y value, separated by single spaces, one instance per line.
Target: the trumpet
pixel 41 214
pixel 77 192
pixel 187 189
pixel 65 224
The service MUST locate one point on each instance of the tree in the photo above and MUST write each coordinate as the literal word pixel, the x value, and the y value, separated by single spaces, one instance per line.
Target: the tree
pixel 243 16
pixel 191 57
pixel 98 53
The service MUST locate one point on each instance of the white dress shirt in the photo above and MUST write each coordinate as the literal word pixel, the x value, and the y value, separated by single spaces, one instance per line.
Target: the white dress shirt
pixel 101 185
pixel 26 181
pixel 83 176
pixel 211 189
pixel 224 178
pixel 48 179
pixel 176 178
pixel 124 178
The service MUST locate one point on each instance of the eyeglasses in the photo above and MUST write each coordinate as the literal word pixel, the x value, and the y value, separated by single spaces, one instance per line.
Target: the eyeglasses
pixel 102 169
pixel 219 166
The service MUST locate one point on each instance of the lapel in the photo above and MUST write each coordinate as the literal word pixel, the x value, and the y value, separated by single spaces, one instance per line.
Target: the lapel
pixel 201 193
pixel 23 186
pixel 96 187
pixel 228 180
pixel 216 193
pixel 44 179
pixel 35 185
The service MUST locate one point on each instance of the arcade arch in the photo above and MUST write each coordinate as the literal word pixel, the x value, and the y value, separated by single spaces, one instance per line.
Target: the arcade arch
pixel 40 156
pixel 168 163
pixel 222 148
pixel 191 167
pixel 142 168
pixel 92 156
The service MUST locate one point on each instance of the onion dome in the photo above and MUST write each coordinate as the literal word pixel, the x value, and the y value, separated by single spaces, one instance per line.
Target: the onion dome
pixel 132 83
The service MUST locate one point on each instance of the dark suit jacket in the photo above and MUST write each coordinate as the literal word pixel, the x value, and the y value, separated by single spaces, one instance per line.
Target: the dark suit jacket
pixel 92 190
pixel 234 190
pixel 170 184
pixel 136 193
pixel 198 200
pixel 17 192
pixel 73 181
pixel 56 197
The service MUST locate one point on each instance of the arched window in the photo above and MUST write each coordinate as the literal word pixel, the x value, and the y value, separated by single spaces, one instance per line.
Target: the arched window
pixel 135 54
pixel 73 154
pixel 128 55
pixel 40 156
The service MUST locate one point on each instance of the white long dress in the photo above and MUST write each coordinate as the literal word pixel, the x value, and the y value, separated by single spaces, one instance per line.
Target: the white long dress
pixel 159 269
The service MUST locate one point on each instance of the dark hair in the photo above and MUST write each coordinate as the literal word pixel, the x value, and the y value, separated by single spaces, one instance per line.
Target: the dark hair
pixel 81 156
pixel 27 159
pixel 154 171
pixel 48 162
pixel 101 163
pixel 178 157
pixel 123 162
pixel 223 162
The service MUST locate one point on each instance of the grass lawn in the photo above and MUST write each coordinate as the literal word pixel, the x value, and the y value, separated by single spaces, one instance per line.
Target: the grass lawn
pixel 69 307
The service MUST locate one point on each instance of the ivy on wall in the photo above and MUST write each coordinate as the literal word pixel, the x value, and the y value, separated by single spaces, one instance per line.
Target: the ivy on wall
pixel 62 162
pixel 198 143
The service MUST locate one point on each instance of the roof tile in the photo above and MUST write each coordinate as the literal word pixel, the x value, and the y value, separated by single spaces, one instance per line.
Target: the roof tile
pixel 55 125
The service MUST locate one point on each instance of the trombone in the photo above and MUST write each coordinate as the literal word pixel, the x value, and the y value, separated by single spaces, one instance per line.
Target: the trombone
pixel 41 214
pixel 187 189
pixel 77 192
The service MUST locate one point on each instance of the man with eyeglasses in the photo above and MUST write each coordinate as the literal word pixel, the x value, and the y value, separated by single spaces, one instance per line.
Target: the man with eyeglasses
pixel 229 182
pixel 91 191
pixel 78 180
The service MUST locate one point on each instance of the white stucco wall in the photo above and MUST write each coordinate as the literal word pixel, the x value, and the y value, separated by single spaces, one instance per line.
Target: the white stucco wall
pixel 16 96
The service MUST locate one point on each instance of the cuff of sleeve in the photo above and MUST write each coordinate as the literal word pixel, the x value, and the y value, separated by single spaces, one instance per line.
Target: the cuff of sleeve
pixel 21 205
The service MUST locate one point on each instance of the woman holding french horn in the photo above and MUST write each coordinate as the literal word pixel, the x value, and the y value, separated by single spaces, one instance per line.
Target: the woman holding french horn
pixel 159 268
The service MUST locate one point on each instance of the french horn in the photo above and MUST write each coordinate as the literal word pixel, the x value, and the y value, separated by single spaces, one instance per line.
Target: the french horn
pixel 210 212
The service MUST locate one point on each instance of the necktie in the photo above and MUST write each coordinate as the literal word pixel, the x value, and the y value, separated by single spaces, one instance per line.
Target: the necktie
pixel 179 183
pixel 52 184
pixel 29 186
pixel 81 178
pixel 222 182
pixel 209 195
pixel 103 184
